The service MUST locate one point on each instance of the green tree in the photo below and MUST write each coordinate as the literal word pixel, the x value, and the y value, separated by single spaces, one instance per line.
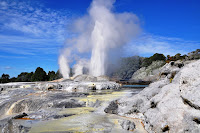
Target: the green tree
pixel 58 75
pixel 39 75
pixel 157 56
pixel 22 77
pixel 168 57
pixel 147 61
pixel 178 56
pixel 29 76
pixel 5 78
pixel 51 75
pixel 13 79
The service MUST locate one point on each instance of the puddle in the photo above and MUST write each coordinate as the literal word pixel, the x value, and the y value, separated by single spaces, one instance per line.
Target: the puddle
pixel 45 113
pixel 88 119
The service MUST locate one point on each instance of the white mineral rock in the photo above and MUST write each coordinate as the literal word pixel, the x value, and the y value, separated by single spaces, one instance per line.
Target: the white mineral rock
pixel 168 106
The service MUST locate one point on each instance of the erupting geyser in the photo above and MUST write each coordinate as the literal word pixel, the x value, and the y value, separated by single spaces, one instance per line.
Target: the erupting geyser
pixel 99 33
pixel 64 67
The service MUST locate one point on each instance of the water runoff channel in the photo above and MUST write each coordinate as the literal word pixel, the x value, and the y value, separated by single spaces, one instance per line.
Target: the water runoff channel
pixel 88 118
pixel 92 117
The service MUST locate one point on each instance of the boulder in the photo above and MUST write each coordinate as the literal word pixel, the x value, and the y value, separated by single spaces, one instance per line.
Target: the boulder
pixel 112 108
pixel 127 125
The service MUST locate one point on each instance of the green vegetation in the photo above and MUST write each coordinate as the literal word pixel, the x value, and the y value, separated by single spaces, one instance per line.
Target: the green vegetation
pixel 38 75
pixel 176 57
pixel 5 78
pixel 147 61
pixel 51 75
pixel 24 77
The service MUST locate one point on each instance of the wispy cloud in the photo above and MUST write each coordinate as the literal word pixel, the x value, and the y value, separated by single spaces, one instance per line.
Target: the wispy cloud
pixel 28 27
pixel 38 21
pixel 13 57
pixel 7 67
pixel 28 46
pixel 149 44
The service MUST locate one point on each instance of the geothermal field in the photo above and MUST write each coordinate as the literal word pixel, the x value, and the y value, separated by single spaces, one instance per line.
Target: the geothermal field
pixel 95 104
pixel 77 105
pixel 107 81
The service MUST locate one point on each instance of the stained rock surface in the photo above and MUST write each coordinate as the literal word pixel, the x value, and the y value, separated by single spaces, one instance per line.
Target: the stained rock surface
pixel 171 104
pixel 24 104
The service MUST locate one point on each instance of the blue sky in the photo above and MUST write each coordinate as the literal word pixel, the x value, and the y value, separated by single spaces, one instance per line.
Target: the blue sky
pixel 33 32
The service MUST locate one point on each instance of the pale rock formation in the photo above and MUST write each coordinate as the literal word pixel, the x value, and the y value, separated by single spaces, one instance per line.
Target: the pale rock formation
pixel 168 105
pixel 149 73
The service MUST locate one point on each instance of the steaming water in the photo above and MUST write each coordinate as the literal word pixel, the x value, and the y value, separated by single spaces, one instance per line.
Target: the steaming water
pixel 64 67
pixel 78 68
pixel 100 33
pixel 99 53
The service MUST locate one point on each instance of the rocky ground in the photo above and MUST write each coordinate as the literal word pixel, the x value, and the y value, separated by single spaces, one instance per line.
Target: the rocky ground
pixel 63 106
pixel 89 104
pixel 170 104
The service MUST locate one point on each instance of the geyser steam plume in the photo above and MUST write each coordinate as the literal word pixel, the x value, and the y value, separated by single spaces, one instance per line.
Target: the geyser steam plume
pixel 64 63
pixel 100 33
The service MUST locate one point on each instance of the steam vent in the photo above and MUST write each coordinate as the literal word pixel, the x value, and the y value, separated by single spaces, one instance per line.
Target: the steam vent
pixel 99 66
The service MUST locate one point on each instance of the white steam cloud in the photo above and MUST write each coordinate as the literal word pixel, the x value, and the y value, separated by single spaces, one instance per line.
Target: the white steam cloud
pixel 63 62
pixel 80 67
pixel 100 33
